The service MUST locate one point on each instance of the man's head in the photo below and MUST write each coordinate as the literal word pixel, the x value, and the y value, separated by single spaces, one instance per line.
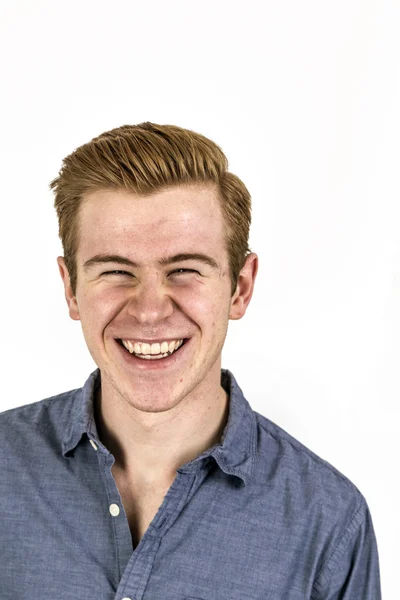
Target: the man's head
pixel 144 159
pixel 152 265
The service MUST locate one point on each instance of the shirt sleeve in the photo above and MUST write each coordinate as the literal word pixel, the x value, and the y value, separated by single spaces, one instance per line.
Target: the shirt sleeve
pixel 352 572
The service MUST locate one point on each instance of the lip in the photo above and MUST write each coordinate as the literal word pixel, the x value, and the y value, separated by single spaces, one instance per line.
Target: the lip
pixel 154 341
pixel 153 365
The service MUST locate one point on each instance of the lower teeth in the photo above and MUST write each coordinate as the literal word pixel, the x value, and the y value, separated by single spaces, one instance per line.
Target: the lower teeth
pixel 152 356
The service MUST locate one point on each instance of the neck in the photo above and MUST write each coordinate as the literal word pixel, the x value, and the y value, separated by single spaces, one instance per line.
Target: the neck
pixel 151 446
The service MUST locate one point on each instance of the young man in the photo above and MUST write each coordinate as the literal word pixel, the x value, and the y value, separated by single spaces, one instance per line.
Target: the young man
pixel 157 480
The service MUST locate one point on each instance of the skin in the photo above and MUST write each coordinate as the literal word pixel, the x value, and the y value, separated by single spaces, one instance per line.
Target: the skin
pixel 154 421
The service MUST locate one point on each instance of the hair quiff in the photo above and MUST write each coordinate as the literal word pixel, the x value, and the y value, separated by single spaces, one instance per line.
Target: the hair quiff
pixel 144 159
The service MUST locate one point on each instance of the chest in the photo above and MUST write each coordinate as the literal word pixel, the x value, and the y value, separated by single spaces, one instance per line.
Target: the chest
pixel 141 502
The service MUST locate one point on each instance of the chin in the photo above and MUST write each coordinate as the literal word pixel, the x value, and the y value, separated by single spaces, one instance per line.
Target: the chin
pixel 151 403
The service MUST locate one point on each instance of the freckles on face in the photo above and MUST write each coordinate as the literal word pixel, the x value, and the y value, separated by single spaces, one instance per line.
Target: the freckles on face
pixel 143 230
pixel 198 308
pixel 98 305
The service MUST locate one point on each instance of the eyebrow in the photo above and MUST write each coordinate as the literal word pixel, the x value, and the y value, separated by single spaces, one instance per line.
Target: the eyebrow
pixel 168 260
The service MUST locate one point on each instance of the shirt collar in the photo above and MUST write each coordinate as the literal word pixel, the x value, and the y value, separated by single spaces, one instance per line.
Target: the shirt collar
pixel 81 418
pixel 235 454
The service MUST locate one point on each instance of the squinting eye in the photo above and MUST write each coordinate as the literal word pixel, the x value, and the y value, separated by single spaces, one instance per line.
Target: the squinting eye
pixel 182 271
pixel 116 272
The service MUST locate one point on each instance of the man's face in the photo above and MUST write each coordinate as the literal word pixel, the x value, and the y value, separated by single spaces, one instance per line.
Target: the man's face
pixel 142 297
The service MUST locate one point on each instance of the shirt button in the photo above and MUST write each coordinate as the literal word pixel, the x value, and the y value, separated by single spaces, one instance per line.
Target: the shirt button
pixel 114 510
pixel 93 444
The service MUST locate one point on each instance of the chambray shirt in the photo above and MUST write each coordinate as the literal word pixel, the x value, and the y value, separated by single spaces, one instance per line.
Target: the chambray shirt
pixel 256 517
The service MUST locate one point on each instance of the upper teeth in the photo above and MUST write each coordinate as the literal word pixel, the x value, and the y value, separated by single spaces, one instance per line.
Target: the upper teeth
pixel 157 348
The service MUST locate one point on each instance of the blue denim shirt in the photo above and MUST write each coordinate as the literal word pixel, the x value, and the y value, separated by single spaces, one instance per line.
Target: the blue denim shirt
pixel 256 517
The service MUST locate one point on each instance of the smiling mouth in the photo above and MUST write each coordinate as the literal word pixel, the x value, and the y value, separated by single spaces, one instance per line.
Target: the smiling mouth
pixel 153 356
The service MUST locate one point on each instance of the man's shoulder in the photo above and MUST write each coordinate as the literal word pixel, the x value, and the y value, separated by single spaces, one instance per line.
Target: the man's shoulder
pixel 41 416
pixel 312 508
pixel 310 478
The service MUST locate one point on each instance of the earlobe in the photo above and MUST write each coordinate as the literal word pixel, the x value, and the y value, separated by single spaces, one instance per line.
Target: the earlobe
pixel 244 288
pixel 237 307
pixel 69 296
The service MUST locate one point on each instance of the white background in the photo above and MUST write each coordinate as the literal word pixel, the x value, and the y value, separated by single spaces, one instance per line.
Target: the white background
pixel 304 99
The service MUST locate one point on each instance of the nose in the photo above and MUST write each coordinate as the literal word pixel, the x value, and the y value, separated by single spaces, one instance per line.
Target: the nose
pixel 150 302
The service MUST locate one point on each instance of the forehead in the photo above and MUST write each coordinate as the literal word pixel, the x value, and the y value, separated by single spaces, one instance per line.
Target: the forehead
pixel 178 218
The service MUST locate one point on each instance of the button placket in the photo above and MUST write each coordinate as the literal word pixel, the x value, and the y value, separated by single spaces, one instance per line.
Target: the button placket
pixel 115 510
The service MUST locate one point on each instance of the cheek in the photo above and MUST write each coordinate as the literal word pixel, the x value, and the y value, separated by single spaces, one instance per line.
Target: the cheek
pixel 99 307
pixel 192 301
pixel 209 310
pixel 211 303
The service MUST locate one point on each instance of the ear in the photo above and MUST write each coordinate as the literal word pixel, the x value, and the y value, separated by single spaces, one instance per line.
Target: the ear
pixel 244 288
pixel 70 298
